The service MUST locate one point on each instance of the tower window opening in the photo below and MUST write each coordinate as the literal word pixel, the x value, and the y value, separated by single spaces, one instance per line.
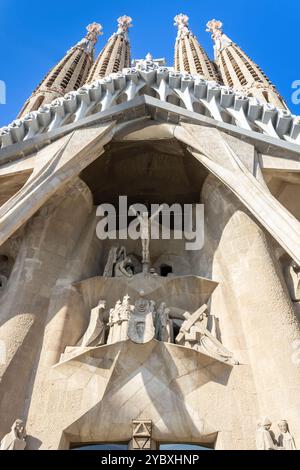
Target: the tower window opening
pixel 38 103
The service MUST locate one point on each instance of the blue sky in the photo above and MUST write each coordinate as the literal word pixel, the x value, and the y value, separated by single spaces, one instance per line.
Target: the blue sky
pixel 36 34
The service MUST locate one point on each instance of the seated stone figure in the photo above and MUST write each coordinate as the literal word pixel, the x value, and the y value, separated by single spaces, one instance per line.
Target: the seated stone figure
pixel 118 263
pixel 124 268
pixel 16 438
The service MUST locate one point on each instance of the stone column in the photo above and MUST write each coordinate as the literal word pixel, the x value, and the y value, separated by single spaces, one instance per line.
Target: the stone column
pixel 49 239
pixel 262 314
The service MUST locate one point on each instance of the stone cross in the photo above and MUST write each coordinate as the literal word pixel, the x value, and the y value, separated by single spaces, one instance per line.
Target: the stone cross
pixel 194 334
pixel 190 327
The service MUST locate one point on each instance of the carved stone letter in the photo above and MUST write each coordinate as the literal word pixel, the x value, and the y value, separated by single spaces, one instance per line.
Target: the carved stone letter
pixel 141 435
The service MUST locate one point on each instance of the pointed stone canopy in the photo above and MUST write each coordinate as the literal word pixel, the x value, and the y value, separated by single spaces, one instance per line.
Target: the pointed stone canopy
pixel 169 290
pixel 190 92
pixel 55 165
pixel 156 385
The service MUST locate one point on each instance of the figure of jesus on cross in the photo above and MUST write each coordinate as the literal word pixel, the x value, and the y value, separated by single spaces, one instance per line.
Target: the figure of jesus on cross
pixel 145 222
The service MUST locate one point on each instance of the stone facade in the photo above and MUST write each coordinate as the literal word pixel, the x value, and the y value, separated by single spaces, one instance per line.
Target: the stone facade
pixel 142 341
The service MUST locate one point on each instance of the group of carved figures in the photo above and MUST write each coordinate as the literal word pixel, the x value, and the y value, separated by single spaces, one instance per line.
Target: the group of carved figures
pixel 140 322
pixel 266 440
pixel 120 264
pixel 143 321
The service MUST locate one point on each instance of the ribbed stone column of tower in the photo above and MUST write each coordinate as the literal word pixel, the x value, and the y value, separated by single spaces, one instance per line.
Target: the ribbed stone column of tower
pixel 115 56
pixel 238 71
pixel 190 56
pixel 69 74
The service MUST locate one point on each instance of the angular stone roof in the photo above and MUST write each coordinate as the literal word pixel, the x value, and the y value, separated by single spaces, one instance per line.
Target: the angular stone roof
pixel 190 92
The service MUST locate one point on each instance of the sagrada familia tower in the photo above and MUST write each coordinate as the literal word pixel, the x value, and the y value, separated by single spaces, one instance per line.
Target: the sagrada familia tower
pixel 143 342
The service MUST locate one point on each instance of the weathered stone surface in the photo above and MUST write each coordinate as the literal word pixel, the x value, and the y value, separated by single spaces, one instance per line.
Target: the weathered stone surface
pixel 70 379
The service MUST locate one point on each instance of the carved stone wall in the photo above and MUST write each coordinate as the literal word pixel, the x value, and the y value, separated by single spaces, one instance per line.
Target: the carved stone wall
pixel 93 394
pixel 49 239
pixel 259 321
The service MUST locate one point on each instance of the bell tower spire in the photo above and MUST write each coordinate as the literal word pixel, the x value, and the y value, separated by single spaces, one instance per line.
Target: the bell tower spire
pixel 190 56
pixel 238 71
pixel 115 56
pixel 68 75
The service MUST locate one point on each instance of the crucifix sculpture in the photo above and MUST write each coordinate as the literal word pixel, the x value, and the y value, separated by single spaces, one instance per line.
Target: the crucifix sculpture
pixel 145 223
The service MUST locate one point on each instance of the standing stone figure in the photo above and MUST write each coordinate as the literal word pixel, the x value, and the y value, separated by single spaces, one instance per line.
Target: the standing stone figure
pixel 95 334
pixel 145 225
pixel 141 324
pixel 125 312
pixel 164 327
pixel 114 324
pixel 118 321
pixel 16 439
pixel 264 436
pixel 124 268
pixel 285 439
pixel 115 253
